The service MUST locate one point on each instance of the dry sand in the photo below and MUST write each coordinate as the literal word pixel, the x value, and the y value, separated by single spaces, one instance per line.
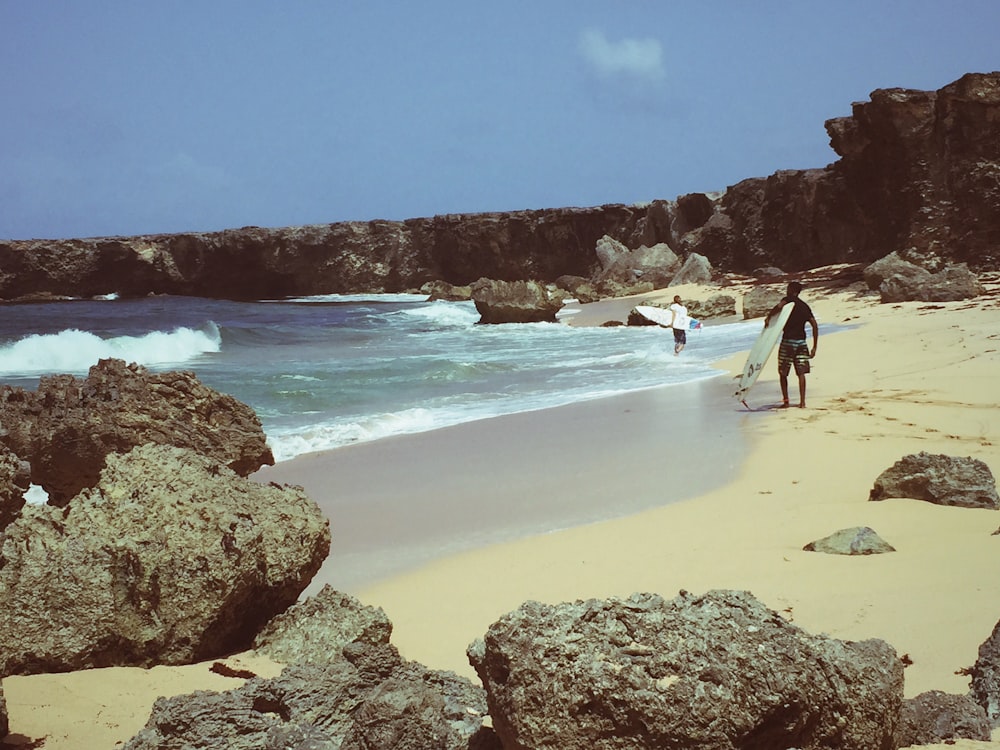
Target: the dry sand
pixel 910 377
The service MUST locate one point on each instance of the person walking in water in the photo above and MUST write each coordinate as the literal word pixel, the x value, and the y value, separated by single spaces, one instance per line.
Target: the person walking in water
pixel 679 324
pixel 793 350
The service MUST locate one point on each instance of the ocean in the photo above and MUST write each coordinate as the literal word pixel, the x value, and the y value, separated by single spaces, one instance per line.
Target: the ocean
pixel 324 372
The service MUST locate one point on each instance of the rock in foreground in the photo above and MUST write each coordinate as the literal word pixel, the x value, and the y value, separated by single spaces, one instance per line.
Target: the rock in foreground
pixel 714 671
pixel 172 558
pixel 67 427
pixel 366 698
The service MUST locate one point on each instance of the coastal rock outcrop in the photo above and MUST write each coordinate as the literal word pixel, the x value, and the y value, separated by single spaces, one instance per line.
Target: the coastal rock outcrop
pixel 368 697
pixel 943 480
pixel 938 717
pixel 718 670
pixel 171 558
pixel 68 426
pixel 514 302
pixel 918 172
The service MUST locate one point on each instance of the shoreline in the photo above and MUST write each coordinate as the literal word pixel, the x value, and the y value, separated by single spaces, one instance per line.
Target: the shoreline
pixel 398 503
pixel 905 378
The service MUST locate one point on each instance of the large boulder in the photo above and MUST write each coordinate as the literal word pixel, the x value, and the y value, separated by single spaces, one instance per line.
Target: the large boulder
pixel 985 684
pixel 696 270
pixel 15 479
pixel 366 698
pixel 68 426
pixel 938 717
pixel 943 480
pixel 442 290
pixel 171 558
pixel 893 264
pixel 514 302
pixel 655 265
pixel 713 671
pixel 953 283
pixel 579 287
pixel 716 306
pixel 759 300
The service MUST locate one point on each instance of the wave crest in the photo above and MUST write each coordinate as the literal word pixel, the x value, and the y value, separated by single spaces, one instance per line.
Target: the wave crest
pixel 75 351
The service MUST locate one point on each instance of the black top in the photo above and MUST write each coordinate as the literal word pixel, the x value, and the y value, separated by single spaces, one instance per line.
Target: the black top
pixel 795 328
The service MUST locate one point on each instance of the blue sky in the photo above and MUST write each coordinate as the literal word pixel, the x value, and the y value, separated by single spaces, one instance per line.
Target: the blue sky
pixel 120 117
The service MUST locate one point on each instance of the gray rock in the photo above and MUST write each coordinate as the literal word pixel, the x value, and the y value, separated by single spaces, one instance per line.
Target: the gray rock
pixel 985 684
pixel 343 703
pixel 172 558
pixel 317 629
pixel 953 283
pixel 758 301
pixel 938 717
pixel 444 291
pixel 716 306
pixel 859 540
pixel 68 426
pixel 579 287
pixel 608 251
pixel 767 272
pixel 696 270
pixel 713 671
pixel 939 479
pixel 514 302
pixel 891 265
pixel 655 265
pixel 15 478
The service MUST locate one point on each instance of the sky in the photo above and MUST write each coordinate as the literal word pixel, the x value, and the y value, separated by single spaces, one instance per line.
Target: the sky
pixel 120 117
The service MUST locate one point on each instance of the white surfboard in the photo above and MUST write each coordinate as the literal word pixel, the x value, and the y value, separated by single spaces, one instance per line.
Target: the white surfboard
pixel 662 317
pixel 761 350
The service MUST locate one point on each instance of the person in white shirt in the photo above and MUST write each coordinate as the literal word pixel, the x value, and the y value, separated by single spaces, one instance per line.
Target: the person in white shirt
pixel 679 323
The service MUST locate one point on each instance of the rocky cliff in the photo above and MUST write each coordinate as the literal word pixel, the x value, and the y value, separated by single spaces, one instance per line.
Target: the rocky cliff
pixel 919 172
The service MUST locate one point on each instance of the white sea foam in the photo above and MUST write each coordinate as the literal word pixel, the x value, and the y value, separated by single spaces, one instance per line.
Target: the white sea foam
pixel 75 351
pixel 445 314
pixel 358 298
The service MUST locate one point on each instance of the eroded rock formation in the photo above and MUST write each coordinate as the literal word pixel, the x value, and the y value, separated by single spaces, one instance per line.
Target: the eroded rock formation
pixel 366 697
pixel 171 558
pixel 68 426
pixel 960 481
pixel 919 172
pixel 718 670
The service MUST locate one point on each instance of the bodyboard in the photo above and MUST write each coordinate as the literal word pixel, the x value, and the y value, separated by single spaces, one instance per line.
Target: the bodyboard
pixel 761 350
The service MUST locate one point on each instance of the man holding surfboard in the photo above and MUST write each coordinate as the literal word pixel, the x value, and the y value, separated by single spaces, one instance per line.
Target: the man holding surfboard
pixel 793 350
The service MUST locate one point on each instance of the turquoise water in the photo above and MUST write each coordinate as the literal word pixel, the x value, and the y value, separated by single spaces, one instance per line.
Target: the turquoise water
pixel 329 371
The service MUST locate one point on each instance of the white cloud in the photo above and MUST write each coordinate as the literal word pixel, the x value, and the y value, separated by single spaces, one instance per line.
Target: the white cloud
pixel 639 59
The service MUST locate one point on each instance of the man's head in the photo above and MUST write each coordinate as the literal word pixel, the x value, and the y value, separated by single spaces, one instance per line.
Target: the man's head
pixel 677 298
pixel 794 287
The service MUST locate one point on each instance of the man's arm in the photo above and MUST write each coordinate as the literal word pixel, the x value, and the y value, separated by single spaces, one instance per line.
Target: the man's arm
pixel 775 310
pixel 815 327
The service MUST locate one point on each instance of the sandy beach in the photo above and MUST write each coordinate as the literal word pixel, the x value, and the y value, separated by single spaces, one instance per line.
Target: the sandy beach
pixel 593 500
